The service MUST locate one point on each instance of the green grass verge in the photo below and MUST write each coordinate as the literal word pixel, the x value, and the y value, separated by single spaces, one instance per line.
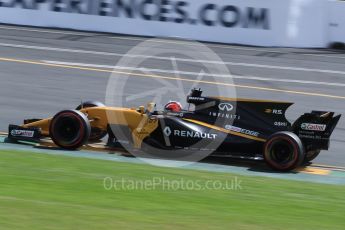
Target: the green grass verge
pixel 41 191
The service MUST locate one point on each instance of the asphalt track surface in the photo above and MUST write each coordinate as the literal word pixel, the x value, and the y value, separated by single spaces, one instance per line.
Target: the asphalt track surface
pixel 45 70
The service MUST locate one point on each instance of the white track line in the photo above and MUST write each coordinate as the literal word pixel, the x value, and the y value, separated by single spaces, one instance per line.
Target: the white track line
pixel 124 37
pixel 47 31
pixel 192 73
pixel 169 59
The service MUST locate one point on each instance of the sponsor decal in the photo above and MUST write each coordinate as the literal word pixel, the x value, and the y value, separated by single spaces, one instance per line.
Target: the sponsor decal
pixel 167 131
pixel 225 107
pixel 172 11
pixel 22 133
pixel 175 114
pixel 315 137
pixel 280 124
pixel 240 130
pixel 186 133
pixel 224 115
pixel 306 132
pixel 313 127
pixel 274 111
pixel 196 98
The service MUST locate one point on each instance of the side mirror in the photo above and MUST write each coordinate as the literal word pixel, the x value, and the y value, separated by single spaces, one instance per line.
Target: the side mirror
pixel 141 109
pixel 151 107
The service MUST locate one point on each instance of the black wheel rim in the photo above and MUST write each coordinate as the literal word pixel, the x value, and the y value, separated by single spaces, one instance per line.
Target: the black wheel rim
pixel 282 152
pixel 67 130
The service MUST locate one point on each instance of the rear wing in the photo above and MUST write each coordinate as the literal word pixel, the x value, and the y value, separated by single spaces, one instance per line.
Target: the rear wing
pixel 315 129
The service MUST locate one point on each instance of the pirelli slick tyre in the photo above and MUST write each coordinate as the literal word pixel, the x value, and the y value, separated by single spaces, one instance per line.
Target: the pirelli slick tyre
pixel 96 133
pixel 70 129
pixel 284 151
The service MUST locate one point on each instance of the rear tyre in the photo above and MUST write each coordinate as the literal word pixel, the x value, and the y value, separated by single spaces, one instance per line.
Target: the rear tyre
pixel 96 134
pixel 70 129
pixel 284 151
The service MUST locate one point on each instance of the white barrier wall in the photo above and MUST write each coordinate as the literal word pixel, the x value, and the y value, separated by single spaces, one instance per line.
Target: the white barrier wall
pixel 337 21
pixel 292 23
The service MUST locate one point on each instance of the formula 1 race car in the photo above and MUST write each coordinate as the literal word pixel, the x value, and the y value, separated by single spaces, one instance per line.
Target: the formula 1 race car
pixel 245 128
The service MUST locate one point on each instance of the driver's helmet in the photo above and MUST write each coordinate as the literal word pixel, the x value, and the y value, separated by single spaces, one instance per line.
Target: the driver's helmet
pixel 173 106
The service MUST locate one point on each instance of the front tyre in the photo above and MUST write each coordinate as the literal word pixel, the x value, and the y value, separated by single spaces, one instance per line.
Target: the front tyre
pixel 96 133
pixel 70 129
pixel 284 151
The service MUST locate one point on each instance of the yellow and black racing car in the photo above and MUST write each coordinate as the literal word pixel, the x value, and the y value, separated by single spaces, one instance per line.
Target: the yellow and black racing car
pixel 255 129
